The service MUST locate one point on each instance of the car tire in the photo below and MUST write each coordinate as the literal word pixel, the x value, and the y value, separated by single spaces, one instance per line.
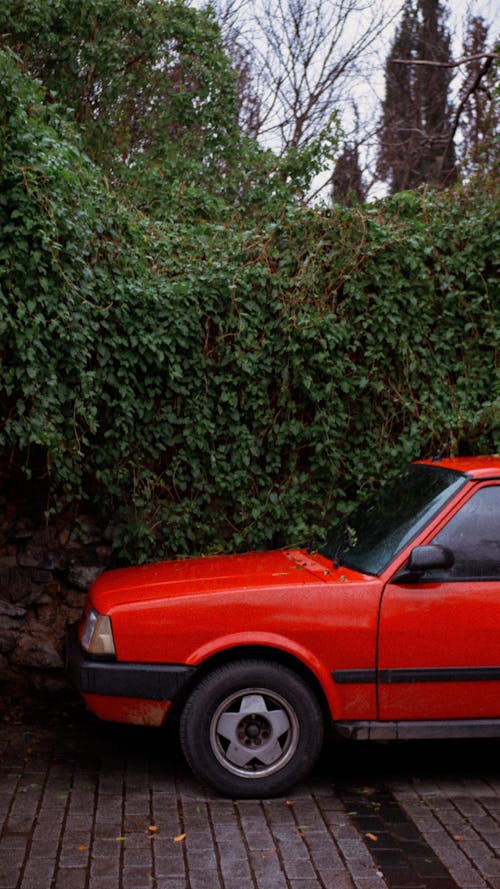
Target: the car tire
pixel 251 728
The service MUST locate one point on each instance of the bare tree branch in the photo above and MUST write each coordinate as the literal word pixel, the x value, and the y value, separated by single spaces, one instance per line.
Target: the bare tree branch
pixel 478 113
pixel 476 57
pixel 471 88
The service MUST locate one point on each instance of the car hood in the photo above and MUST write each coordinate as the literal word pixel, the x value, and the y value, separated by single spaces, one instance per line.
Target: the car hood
pixel 191 577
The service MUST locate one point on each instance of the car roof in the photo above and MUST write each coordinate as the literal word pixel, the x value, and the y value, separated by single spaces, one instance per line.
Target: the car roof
pixel 475 467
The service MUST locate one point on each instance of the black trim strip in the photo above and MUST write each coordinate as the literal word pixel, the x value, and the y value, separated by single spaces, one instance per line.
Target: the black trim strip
pixel 157 682
pixel 440 674
pixel 346 677
pixel 425 674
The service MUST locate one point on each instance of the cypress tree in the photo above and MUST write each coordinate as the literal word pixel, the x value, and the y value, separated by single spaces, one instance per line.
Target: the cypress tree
pixel 347 179
pixel 416 144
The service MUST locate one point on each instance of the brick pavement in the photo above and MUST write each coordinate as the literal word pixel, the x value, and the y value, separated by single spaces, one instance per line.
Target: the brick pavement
pixel 85 805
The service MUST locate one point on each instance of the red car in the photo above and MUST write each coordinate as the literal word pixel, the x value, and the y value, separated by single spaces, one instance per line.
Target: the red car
pixel 388 629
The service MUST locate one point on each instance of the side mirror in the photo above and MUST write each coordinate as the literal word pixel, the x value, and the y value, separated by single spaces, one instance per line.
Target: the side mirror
pixel 425 558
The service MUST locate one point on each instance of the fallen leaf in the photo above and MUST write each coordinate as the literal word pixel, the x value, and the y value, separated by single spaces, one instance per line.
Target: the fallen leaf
pixel 180 838
pixel 372 836
pixel 82 848
pixel 152 827
pixel 457 836
pixel 120 839
pixel 291 802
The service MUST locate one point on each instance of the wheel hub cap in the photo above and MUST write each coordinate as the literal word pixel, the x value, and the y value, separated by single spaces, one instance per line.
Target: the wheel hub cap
pixel 254 732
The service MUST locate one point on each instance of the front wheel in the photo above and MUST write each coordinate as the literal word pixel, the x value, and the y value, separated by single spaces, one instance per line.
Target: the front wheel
pixel 251 729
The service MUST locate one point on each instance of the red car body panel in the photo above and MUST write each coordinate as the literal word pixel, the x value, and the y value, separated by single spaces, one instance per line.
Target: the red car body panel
pixel 438 626
pixel 340 625
pixel 134 711
pixel 186 612
pixel 476 467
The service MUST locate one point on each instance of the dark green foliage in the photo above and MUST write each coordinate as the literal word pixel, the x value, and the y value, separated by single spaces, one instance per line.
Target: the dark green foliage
pixel 226 384
pixel 152 96
pixel 147 85
pixel 141 79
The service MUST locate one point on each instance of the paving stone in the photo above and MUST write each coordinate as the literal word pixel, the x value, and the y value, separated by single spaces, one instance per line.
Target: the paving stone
pixel 170 867
pixel 74 878
pixel 203 860
pixel 136 878
pixel 105 867
pixel 106 848
pixel 199 840
pixel 172 883
pixel 468 877
pixel 232 851
pixel 12 856
pixel 236 877
pixel 8 877
pixel 74 856
pixel 43 871
pixel 299 869
pixel 202 880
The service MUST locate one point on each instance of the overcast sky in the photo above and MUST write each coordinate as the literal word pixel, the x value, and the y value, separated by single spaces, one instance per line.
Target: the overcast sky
pixel 490 9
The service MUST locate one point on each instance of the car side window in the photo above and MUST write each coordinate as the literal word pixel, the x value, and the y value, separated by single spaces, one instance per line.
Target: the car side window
pixel 473 535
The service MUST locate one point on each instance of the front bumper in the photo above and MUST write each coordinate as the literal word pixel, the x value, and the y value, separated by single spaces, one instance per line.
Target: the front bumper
pixel 94 676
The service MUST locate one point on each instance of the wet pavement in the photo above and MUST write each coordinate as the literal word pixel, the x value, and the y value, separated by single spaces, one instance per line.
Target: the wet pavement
pixel 88 805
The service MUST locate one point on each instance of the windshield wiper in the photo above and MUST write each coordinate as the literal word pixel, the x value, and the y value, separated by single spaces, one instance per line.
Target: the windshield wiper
pixel 347 541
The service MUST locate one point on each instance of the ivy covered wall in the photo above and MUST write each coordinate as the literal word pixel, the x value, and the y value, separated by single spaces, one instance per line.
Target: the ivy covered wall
pixel 222 384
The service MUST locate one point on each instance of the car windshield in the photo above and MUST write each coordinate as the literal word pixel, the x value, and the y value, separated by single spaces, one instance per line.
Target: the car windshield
pixel 385 523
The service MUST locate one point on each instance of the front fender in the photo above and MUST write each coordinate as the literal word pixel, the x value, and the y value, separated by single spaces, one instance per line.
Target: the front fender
pixel 336 695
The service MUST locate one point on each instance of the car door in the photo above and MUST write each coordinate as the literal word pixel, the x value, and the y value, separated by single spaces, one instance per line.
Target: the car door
pixel 439 636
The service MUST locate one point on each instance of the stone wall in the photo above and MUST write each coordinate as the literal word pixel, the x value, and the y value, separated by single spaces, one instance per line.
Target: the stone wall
pixel 45 570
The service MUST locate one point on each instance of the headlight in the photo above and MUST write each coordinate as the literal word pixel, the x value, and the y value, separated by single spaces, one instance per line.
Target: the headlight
pixel 97 636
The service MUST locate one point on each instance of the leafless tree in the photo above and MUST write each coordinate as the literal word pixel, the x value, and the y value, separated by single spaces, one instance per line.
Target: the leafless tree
pixel 298 61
